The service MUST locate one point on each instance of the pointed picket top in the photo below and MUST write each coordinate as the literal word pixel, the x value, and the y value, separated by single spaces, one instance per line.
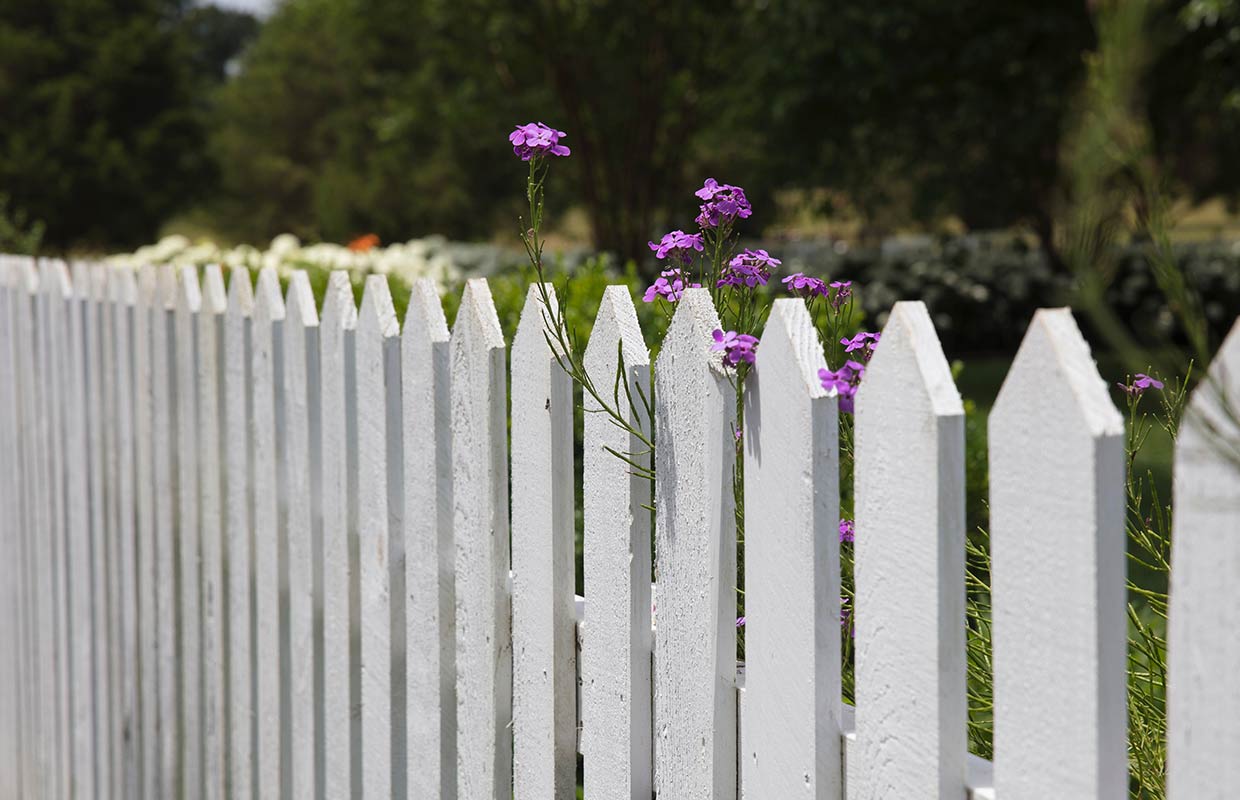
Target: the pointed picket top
pixel 1057 519
pixel 214 295
pixel 268 304
pixel 791 727
pixel 122 286
pixel 1055 358
pixel 615 637
pixel 299 300
pixel 530 340
pixel 27 275
pixel 910 327
pixel 189 292
pixel 59 275
pixel 424 314
pixel 166 286
pixel 79 272
pixel 339 310
pixel 909 569
pixel 377 313
pixel 240 294
pixel 616 328
pixel 477 319
pixel 1203 684
pixel 695 531
pixel 148 280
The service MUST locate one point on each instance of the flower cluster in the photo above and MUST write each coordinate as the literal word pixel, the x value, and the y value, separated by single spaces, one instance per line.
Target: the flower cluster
pixel 535 140
pixel 722 204
pixel 750 268
pixel 1140 382
pixel 670 285
pixel 736 347
pixel 842 291
pixel 864 341
pixel 843 382
pixel 677 246
pixel 847 531
pixel 801 284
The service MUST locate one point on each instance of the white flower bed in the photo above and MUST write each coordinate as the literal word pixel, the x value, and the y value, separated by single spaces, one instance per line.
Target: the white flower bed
pixel 408 261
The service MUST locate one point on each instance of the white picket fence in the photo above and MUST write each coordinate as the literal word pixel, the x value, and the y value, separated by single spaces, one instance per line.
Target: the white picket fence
pixel 248 550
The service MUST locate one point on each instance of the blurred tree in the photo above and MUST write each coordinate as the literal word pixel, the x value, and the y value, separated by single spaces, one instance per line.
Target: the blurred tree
pixel 103 135
pixel 217 36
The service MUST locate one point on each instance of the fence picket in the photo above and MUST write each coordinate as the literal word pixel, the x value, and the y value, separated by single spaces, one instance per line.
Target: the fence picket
pixel 146 313
pixel 791 727
pixel 78 539
pixel 338 406
pixel 54 294
pixel 480 525
pixel 238 539
pixel 267 439
pixel 543 609
pixel 123 290
pixel 695 533
pixel 11 723
pixel 301 395
pixel 1057 519
pixel 616 640
pixel 429 553
pixel 909 571
pixel 378 398
pixel 163 357
pixel 25 286
pixel 189 541
pixel 1203 691
pixel 211 399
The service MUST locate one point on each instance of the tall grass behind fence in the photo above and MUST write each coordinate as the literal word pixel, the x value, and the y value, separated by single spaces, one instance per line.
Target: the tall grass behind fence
pixel 249 548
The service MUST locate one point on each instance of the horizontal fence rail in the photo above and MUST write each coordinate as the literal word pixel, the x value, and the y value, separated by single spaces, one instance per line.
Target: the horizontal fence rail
pixel 251 548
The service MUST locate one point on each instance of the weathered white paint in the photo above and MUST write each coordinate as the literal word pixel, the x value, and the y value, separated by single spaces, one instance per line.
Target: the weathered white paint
pixel 211 401
pixel 791 725
pixel 163 356
pixel 909 570
pixel 266 437
pixel 695 535
pixel 1203 691
pixel 122 289
pixel 56 294
pixel 616 641
pixel 146 317
pixel 377 389
pixel 480 526
pixel 543 647
pixel 337 375
pixel 239 557
pixel 1057 520
pixel 430 595
pixel 301 395
pixel 77 462
pixel 11 722
pixel 26 285
pixel 189 612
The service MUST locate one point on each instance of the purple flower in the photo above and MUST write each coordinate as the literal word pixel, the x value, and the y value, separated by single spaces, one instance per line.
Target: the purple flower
pixel 805 286
pixel 864 341
pixel 670 286
pixel 740 622
pixel 1140 382
pixel 749 268
pixel 535 140
pixel 723 204
pixel 845 617
pixel 736 347
pixel 843 383
pixel 677 246
pixel 846 530
pixel 843 291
